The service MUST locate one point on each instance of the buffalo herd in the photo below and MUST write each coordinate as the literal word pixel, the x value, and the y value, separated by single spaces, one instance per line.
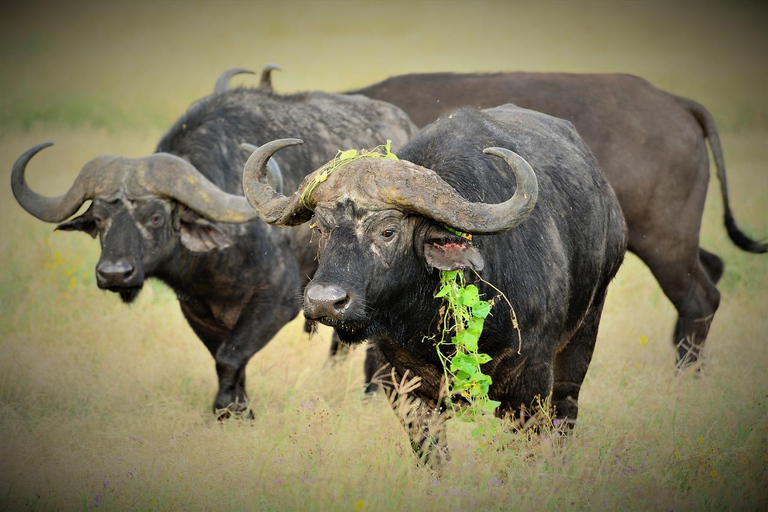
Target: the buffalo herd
pixel 532 185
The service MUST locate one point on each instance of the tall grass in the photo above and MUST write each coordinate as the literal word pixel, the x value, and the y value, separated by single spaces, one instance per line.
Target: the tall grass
pixel 107 406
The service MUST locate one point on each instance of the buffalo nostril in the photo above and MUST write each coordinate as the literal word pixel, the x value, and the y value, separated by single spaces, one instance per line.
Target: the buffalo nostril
pixel 326 301
pixel 115 274
pixel 341 304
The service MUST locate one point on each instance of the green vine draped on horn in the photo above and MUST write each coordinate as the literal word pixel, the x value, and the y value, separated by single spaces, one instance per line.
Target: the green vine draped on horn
pixel 341 159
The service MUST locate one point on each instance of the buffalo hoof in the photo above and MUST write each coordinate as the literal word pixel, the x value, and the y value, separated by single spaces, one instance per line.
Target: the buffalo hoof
pixel 689 366
pixel 689 359
pixel 237 410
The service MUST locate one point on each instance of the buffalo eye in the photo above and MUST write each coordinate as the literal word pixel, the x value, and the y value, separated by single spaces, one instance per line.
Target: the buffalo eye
pixel 155 220
pixel 387 234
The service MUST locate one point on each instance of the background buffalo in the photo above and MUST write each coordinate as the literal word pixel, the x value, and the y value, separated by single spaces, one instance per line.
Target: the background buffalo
pixel 652 146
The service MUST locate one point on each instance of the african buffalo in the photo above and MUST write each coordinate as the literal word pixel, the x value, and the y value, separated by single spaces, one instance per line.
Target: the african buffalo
pixel 651 146
pixel 385 227
pixel 179 215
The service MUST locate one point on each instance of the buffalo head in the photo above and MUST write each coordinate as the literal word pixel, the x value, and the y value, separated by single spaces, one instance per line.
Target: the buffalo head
pixel 141 209
pixel 384 226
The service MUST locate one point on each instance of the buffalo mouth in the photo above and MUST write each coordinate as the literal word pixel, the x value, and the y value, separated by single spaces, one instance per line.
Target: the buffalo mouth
pixel 127 293
pixel 350 332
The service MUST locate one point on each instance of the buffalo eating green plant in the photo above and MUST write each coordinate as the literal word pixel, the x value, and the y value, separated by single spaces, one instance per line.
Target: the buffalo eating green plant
pixel 463 315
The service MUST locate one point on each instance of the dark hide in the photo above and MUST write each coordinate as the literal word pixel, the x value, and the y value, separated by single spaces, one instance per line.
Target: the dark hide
pixel 554 267
pixel 651 146
pixel 237 284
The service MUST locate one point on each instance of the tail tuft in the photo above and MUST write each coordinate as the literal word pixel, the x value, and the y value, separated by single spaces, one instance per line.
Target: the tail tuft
pixel 741 240
pixel 707 124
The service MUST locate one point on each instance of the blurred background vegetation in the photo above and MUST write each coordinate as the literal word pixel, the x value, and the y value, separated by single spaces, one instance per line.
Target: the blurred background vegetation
pixel 140 64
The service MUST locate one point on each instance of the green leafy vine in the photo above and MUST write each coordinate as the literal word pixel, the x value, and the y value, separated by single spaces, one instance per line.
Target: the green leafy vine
pixel 462 325
pixel 341 159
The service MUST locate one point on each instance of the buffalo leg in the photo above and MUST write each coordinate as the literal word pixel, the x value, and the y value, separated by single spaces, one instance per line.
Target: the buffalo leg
pixel 373 364
pixel 526 385
pixel 423 418
pixel 571 365
pixel 425 426
pixel 200 318
pixel 687 284
pixel 696 308
pixel 251 333
pixel 712 264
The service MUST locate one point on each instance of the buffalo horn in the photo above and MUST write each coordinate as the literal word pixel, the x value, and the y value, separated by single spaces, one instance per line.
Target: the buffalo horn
pixel 160 174
pixel 266 76
pixel 274 174
pixel 496 218
pixel 51 209
pixel 222 84
pixel 176 178
pixel 272 206
pixel 421 190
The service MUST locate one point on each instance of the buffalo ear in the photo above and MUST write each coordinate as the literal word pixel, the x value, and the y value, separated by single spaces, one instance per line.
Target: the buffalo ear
pixel 200 235
pixel 445 251
pixel 84 223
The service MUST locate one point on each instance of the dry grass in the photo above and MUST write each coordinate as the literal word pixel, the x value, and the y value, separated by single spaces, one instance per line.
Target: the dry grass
pixel 107 405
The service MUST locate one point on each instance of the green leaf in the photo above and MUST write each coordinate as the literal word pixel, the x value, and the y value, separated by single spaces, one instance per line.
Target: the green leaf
pixel 463 362
pixel 467 339
pixel 445 290
pixel 482 358
pixel 475 325
pixel 490 405
pixel 460 384
pixel 469 296
pixel 449 275
pixel 389 154
pixel 482 309
pixel 346 155
pixel 481 378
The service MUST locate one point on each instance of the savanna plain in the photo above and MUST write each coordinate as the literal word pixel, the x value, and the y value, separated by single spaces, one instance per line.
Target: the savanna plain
pixel 104 405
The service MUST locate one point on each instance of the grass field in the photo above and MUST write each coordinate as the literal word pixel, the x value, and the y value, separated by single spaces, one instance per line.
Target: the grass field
pixel 107 406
